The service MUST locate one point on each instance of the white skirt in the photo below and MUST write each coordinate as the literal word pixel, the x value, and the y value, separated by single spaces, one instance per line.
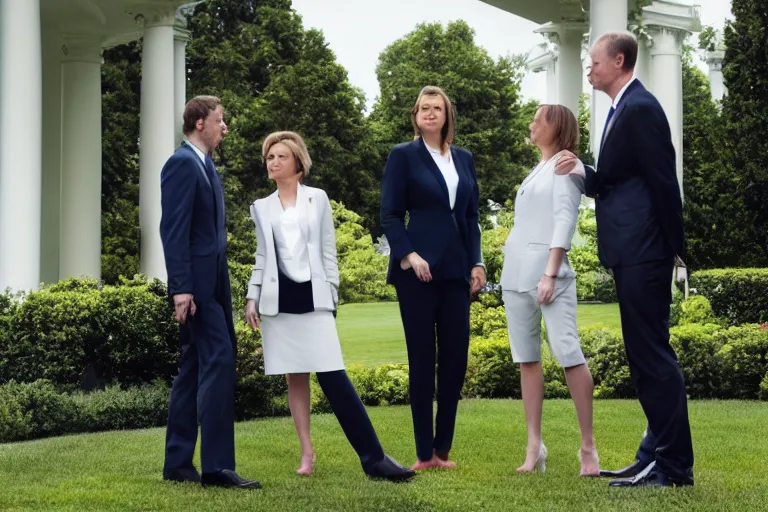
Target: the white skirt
pixel 300 343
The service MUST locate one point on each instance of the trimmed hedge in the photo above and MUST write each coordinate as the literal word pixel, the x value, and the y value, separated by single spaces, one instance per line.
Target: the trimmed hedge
pixel 739 295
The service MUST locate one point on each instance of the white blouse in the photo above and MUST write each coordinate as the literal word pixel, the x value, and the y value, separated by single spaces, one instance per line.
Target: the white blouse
pixel 291 246
pixel 448 169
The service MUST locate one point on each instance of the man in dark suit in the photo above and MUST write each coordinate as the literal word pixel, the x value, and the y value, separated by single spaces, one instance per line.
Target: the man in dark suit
pixel 194 239
pixel 638 210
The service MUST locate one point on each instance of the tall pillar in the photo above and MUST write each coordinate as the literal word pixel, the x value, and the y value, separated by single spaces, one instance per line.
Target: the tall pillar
pixel 570 71
pixel 669 23
pixel 21 103
pixel 180 38
pixel 543 58
pixel 158 133
pixel 604 16
pixel 643 66
pixel 51 157
pixel 80 235
pixel 715 60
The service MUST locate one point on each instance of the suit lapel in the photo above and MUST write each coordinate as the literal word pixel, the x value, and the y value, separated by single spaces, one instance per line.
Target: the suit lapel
pixel 305 211
pixel 463 188
pixel 636 84
pixel 426 157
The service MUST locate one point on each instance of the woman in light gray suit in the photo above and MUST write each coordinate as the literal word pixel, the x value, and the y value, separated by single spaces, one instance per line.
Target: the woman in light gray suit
pixel 538 279
pixel 292 296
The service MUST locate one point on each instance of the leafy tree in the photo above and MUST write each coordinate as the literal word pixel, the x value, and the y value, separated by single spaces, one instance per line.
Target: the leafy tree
pixel 745 109
pixel 121 87
pixel 491 121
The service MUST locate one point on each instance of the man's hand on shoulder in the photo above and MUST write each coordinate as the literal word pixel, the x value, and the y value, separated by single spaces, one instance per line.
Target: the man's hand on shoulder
pixel 568 163
pixel 184 304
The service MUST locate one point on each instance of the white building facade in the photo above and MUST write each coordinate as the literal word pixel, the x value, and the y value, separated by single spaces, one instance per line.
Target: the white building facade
pixel 50 129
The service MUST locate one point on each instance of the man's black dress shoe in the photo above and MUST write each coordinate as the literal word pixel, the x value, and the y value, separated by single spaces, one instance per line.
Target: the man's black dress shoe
pixel 389 469
pixel 651 478
pixel 228 478
pixel 630 471
pixel 181 475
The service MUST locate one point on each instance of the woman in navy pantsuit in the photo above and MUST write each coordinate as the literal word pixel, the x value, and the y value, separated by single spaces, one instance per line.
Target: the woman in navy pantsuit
pixel 435 265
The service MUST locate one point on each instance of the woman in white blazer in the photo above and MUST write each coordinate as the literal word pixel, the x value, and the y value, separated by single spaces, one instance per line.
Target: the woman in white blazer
pixel 292 296
pixel 537 279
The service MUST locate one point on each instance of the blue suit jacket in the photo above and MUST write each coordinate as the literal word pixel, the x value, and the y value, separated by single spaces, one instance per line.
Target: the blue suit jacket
pixel 192 227
pixel 638 207
pixel 449 240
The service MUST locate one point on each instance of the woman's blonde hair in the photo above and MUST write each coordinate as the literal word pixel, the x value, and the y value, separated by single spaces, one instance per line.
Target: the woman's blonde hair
pixel 296 144
pixel 448 131
pixel 565 125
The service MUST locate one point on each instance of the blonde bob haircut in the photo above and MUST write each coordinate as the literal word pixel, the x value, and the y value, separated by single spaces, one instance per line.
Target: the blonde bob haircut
pixel 565 126
pixel 448 131
pixel 295 143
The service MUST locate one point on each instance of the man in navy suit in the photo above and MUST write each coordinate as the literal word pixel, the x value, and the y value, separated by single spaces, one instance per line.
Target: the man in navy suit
pixel 194 239
pixel 639 217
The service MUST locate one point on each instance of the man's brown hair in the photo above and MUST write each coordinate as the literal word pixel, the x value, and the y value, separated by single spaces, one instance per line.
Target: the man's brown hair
pixel 624 43
pixel 565 125
pixel 199 107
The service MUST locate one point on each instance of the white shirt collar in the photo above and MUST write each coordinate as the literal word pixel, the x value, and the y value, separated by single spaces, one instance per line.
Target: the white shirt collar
pixel 622 91
pixel 197 150
pixel 438 152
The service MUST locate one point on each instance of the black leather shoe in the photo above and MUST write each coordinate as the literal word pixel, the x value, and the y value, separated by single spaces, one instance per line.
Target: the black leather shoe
pixel 389 469
pixel 630 471
pixel 228 478
pixel 181 475
pixel 652 478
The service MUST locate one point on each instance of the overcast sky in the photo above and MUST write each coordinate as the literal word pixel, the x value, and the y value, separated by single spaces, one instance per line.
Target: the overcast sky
pixel 358 30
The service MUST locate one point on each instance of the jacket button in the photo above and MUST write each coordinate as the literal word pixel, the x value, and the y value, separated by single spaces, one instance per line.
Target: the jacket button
pixel 273 279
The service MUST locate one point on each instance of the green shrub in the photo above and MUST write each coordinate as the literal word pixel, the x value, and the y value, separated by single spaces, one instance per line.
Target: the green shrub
pixel 115 408
pixel 490 371
pixel 604 350
pixel 739 295
pixel 256 394
pixel 764 388
pixel 697 349
pixel 696 310
pixel 485 321
pixel 33 410
pixel 744 358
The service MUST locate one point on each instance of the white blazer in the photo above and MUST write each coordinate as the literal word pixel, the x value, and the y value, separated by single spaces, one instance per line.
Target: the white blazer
pixel 316 223
pixel 546 211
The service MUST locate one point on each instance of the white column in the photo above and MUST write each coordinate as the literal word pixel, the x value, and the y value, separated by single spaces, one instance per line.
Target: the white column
pixel 667 84
pixel 643 66
pixel 51 157
pixel 570 72
pixel 21 101
pixel 604 16
pixel 716 82
pixel 80 235
pixel 158 133
pixel 181 36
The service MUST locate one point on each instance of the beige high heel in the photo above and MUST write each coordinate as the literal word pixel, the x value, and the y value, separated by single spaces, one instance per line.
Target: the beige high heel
pixel 597 460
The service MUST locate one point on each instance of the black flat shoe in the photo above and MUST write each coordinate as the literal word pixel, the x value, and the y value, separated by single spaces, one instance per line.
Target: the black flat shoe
pixel 654 477
pixel 182 475
pixel 630 471
pixel 389 469
pixel 228 478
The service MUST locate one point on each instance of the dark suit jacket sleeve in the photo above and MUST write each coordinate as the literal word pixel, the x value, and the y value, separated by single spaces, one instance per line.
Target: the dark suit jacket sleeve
pixel 394 195
pixel 591 181
pixel 473 226
pixel 177 196
pixel 656 161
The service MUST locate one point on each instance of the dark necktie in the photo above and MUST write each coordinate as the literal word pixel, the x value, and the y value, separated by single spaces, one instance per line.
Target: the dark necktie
pixel 607 122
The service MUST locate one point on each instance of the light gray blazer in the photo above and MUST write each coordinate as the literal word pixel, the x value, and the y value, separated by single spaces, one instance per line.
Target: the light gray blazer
pixel 316 222
pixel 546 211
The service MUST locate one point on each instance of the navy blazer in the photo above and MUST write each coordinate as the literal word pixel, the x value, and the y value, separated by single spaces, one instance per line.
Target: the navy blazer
pixel 192 226
pixel 638 207
pixel 444 237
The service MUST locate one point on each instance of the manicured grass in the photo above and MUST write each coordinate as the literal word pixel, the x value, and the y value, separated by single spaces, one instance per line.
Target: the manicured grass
pixel 372 334
pixel 121 470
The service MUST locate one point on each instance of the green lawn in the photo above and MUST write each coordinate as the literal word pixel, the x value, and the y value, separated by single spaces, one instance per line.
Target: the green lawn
pixel 121 470
pixel 372 334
